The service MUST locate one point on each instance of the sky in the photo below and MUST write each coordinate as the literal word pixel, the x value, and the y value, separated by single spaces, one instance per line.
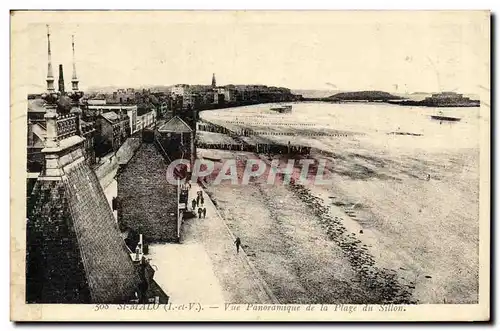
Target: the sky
pixel 390 51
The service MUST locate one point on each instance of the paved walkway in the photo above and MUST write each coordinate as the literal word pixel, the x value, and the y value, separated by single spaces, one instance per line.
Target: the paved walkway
pixel 205 267
pixel 185 273
pixel 239 280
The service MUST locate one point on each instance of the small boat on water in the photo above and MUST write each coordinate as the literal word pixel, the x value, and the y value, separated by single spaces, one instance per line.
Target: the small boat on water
pixel 283 109
pixel 441 117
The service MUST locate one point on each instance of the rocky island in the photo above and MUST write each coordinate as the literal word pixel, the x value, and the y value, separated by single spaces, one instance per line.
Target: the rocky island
pixel 444 99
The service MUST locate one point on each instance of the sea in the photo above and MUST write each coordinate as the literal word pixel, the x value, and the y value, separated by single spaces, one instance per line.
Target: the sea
pixel 377 121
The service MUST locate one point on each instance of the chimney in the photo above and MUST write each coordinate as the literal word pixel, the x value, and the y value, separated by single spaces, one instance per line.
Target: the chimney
pixel 214 84
pixel 61 79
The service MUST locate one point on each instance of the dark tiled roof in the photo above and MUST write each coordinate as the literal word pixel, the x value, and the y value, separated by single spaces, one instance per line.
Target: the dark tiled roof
pixel 148 203
pixel 110 272
pixel 75 251
pixel 175 125
pixel 54 269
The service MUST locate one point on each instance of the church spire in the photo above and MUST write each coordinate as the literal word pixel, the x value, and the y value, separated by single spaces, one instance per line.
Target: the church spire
pixel 74 79
pixel 50 75
pixel 214 84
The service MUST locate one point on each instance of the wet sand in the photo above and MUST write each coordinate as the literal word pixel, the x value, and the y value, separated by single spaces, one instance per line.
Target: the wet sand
pixel 398 237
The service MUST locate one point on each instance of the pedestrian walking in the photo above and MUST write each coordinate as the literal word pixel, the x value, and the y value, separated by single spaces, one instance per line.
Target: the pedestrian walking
pixel 237 242
pixel 202 200
pixel 204 212
pixel 198 200
pixel 193 204
pixel 200 211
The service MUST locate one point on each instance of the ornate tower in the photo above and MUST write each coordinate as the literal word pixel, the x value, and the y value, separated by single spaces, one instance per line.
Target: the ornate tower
pixel 74 249
pixel 214 83
pixel 51 97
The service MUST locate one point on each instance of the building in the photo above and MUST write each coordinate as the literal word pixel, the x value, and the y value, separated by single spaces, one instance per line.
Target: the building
pixel 36 110
pixel 121 97
pixel 112 131
pixel 96 101
pixel 87 131
pixel 36 134
pixel 166 112
pixel 146 120
pixel 178 139
pixel 36 137
pixel 179 89
pixel 147 203
pixel 229 93
pixel 74 249
pixel 129 110
pixel 448 97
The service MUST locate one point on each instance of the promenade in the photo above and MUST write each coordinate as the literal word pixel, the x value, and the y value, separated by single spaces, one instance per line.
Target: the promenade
pixel 205 267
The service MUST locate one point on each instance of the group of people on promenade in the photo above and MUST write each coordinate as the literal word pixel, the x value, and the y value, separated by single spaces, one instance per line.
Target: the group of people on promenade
pixel 202 211
pixel 199 202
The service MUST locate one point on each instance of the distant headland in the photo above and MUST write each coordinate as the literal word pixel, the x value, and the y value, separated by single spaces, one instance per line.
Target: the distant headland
pixel 374 96
pixel 443 99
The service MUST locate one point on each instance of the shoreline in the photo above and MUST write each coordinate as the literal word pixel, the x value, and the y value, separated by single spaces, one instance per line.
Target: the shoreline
pixel 394 269
pixel 379 285
pixel 380 186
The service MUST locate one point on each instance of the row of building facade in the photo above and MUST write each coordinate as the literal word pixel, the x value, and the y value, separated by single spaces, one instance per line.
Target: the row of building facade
pixel 213 96
pixel 104 127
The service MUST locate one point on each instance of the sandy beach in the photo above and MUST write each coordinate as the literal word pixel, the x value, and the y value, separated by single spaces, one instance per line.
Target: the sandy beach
pixel 398 224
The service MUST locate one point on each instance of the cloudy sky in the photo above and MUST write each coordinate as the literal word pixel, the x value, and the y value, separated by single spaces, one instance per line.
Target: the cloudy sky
pixel 301 50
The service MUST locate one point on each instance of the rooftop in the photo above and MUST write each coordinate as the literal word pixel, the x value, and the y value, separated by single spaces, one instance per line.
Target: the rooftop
pixel 75 251
pixel 36 105
pixel 111 116
pixel 175 125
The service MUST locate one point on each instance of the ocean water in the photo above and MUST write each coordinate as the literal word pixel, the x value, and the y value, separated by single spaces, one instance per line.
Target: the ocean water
pixel 394 214
pixel 375 120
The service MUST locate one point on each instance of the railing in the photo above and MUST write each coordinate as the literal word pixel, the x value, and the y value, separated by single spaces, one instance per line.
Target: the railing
pixel 66 126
